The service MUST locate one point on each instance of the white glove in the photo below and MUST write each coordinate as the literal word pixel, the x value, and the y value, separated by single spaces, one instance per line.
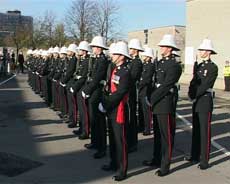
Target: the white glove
pixel 54 80
pixel 63 85
pixel 193 101
pixel 37 73
pixel 147 101
pixel 71 90
pixel 158 85
pixel 84 95
pixel 101 108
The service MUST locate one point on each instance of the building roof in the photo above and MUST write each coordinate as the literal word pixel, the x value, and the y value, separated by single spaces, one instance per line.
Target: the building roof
pixel 157 28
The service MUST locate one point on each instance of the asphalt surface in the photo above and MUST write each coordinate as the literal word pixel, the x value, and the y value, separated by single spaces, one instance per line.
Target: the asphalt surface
pixel 31 133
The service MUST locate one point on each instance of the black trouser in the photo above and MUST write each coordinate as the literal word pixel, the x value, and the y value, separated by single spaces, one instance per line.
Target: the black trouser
pixel 56 96
pixel 72 107
pixel 145 115
pixel 166 129
pixel 84 116
pixel 157 141
pixel 97 120
pixel 132 125
pixel 33 81
pixel 63 100
pixel 37 84
pixel 227 83
pixel 44 87
pixel 49 91
pixel 201 137
pixel 118 145
pixel 29 77
pixel 21 66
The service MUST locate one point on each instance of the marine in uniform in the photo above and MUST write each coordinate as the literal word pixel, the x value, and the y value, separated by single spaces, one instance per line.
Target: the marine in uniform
pixel 78 80
pixel 201 94
pixel 135 66
pixel 92 92
pixel 67 72
pixel 114 103
pixel 162 101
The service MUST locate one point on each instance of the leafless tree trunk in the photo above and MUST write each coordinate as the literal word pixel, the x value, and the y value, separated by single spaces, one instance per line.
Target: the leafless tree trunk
pixel 106 18
pixel 59 35
pixel 80 19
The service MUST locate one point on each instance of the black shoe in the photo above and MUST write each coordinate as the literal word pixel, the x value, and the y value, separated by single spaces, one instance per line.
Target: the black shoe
pixel 160 173
pixel 132 149
pixel 60 114
pixel 66 120
pixel 72 125
pixel 77 132
pixel 108 167
pixel 203 167
pixel 191 160
pixel 83 137
pixel 119 177
pixel 151 163
pixel 146 133
pixel 99 154
pixel 90 146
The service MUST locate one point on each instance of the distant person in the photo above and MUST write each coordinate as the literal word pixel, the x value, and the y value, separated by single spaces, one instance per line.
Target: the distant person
pixel 13 60
pixel 21 61
pixel 227 76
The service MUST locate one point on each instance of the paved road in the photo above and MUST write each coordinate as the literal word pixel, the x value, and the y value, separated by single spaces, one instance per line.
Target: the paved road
pixel 33 133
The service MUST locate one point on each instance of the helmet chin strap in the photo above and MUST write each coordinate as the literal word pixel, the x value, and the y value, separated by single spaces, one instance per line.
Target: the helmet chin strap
pixel 118 63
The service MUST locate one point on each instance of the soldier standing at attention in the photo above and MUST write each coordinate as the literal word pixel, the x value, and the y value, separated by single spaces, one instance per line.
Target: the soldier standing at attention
pixel 79 79
pixel 162 101
pixel 201 94
pixel 92 91
pixel 68 70
pixel 145 86
pixel 114 103
pixel 135 66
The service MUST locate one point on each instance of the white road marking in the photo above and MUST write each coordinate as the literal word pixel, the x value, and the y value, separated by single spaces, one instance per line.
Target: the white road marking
pixel 214 143
pixel 3 82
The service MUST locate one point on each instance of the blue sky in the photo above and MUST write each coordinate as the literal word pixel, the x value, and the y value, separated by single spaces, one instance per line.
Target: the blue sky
pixel 133 14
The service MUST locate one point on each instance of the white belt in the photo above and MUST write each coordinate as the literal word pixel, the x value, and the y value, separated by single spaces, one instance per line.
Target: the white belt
pixel 103 82
pixel 210 90
pixel 78 77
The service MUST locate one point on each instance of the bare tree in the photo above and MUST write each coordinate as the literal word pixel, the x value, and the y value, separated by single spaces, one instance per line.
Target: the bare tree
pixel 80 19
pixel 45 30
pixel 106 18
pixel 59 37
pixel 48 26
pixel 21 37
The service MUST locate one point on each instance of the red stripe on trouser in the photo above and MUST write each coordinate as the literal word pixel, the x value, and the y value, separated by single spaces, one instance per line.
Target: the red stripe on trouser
pixel 75 108
pixel 124 148
pixel 65 101
pixel 151 118
pixel 58 95
pixel 169 136
pixel 209 135
pixel 40 84
pixel 86 117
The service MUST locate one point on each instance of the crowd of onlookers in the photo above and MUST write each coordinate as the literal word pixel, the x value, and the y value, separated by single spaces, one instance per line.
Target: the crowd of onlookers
pixel 9 62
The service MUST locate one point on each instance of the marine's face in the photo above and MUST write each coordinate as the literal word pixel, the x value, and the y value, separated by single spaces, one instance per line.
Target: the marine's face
pixel 70 53
pixel 97 50
pixel 133 52
pixel 117 58
pixel 204 53
pixel 165 51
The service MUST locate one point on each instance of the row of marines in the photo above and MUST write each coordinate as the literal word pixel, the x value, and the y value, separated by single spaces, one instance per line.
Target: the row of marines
pixel 122 90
